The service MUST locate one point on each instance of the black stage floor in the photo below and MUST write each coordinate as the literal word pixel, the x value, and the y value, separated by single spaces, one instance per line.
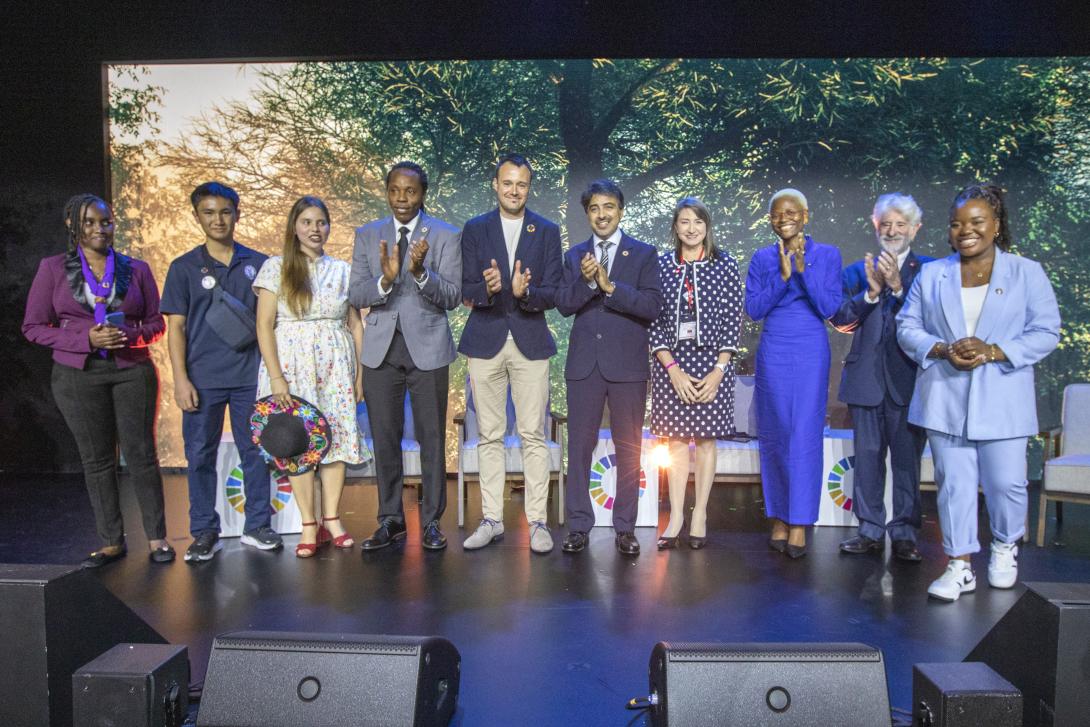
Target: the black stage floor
pixel 545 640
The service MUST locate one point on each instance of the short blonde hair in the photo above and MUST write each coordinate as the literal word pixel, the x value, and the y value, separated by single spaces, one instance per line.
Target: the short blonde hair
pixel 789 193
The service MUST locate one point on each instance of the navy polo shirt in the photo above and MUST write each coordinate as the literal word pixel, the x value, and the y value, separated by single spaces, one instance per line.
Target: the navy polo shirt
pixel 211 363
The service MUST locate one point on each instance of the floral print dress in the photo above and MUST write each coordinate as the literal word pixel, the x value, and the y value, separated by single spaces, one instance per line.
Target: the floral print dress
pixel 317 353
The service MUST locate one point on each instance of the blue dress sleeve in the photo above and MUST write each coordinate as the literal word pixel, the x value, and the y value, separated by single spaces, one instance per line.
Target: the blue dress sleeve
pixel 822 281
pixel 765 287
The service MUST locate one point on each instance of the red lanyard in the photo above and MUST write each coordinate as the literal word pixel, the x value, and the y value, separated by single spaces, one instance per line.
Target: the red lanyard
pixel 690 293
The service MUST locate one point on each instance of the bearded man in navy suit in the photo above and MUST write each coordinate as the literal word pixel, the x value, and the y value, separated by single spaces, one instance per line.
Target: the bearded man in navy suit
pixel 877 382
pixel 612 287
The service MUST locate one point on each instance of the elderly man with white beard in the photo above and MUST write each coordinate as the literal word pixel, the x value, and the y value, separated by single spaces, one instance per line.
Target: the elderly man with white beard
pixel 877 382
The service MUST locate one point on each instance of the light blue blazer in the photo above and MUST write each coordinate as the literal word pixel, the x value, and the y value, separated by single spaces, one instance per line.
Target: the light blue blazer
pixel 1020 315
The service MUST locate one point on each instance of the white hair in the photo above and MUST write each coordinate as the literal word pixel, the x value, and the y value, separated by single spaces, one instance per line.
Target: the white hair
pixel 900 203
pixel 788 193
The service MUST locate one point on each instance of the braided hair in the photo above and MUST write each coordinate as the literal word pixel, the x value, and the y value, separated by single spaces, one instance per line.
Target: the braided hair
pixel 73 216
pixel 994 195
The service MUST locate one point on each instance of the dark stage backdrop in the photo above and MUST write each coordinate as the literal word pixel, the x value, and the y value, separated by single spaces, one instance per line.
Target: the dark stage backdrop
pixel 680 121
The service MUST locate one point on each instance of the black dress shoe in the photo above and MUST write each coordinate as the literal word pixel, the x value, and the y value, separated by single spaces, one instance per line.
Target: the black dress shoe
pixel 696 543
pixel 907 551
pixel 99 558
pixel 627 543
pixel 794 552
pixel 778 544
pixel 862 544
pixel 162 554
pixel 574 542
pixel 433 537
pixel 665 543
pixel 388 533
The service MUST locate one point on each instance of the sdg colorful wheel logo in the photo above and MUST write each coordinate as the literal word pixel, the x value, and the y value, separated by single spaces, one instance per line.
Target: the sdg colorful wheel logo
pixel 236 497
pixel 597 481
pixel 834 483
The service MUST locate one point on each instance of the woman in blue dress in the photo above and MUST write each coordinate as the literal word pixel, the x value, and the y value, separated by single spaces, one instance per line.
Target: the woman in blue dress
pixel 794 287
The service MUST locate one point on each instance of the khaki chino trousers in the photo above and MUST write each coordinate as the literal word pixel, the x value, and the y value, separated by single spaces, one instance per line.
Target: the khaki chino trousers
pixel 529 380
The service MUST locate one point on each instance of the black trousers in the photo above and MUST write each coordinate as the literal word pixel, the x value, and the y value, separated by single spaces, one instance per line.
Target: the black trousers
pixel 384 391
pixel 102 405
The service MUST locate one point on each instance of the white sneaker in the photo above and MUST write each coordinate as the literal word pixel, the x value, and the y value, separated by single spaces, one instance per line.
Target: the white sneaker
pixel 1003 565
pixel 956 580
pixel 488 532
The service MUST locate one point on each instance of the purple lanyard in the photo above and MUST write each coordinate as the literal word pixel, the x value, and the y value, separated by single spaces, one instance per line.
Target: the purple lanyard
pixel 99 288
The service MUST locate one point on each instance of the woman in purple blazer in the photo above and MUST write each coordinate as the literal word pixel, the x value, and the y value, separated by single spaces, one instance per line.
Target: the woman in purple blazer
pixel 99 312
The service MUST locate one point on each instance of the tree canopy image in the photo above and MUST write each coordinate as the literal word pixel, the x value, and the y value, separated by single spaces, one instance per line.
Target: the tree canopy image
pixel 728 131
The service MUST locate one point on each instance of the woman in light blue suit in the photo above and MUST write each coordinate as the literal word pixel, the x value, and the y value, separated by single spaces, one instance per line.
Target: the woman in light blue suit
pixel 976 323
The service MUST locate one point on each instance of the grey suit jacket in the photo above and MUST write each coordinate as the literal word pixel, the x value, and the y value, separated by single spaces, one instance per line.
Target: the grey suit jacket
pixel 422 310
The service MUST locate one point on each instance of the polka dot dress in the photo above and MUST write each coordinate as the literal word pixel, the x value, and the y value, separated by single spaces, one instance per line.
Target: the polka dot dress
pixel 717 305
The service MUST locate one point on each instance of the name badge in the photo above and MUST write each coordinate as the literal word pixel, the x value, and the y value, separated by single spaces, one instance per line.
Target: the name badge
pixel 687 330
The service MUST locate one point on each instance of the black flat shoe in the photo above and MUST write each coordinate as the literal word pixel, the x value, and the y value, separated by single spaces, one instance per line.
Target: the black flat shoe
pixel 907 551
pixel 665 543
pixel 794 552
pixel 98 558
pixel 862 544
pixel 697 543
pixel 574 542
pixel 777 544
pixel 433 537
pixel 627 544
pixel 162 554
pixel 388 533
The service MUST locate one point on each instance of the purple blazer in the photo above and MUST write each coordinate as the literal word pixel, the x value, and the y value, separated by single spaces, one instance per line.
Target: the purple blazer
pixel 58 314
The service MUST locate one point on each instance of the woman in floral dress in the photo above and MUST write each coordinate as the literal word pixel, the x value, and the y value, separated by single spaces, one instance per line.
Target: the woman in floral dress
pixel 309 338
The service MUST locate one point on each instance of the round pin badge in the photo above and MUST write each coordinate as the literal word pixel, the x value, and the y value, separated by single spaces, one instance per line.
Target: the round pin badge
pixel 251 272
pixel 208 282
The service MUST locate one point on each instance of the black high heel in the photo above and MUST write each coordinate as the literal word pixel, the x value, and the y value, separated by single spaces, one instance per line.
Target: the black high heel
pixel 665 543
pixel 777 544
pixel 696 543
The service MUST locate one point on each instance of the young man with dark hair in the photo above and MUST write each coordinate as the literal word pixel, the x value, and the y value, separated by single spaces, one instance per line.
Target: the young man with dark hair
pixel 210 375
pixel 612 287
pixel 407 269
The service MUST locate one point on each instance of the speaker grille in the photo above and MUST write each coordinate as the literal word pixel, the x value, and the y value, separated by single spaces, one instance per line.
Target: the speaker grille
pixel 771 652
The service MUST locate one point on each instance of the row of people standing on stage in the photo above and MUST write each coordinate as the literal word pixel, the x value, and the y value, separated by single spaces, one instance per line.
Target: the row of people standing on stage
pixel 684 306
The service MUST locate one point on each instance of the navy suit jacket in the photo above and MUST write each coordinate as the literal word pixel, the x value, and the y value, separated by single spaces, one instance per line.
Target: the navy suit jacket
pixel 493 317
pixel 611 332
pixel 875 363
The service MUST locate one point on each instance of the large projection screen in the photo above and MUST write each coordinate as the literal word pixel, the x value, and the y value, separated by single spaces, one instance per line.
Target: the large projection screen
pixel 728 131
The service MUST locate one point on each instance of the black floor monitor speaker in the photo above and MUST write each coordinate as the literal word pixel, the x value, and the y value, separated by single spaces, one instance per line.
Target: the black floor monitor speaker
pixel 785 685
pixel 1042 646
pixel 270 678
pixel 53 620
pixel 136 685
pixel 967 694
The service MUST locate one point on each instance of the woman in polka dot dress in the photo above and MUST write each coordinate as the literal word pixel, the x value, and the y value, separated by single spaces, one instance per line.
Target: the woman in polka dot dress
pixel 693 340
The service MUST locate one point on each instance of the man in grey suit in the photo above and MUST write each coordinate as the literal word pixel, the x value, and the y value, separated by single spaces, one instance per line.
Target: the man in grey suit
pixel 409 284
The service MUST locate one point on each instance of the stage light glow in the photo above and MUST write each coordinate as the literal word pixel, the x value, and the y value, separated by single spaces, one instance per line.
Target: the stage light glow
pixel 660 456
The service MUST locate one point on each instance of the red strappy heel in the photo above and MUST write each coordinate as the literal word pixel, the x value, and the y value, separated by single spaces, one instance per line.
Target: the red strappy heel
pixel 342 541
pixel 308 550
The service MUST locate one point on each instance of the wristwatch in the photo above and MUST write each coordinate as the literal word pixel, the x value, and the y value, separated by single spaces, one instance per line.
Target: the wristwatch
pixel 722 366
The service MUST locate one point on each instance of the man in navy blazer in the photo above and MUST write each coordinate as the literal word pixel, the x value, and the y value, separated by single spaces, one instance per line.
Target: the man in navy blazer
pixel 611 284
pixel 877 382
pixel 511 267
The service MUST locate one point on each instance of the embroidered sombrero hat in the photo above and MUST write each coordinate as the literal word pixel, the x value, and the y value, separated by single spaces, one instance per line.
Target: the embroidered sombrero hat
pixel 292 439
